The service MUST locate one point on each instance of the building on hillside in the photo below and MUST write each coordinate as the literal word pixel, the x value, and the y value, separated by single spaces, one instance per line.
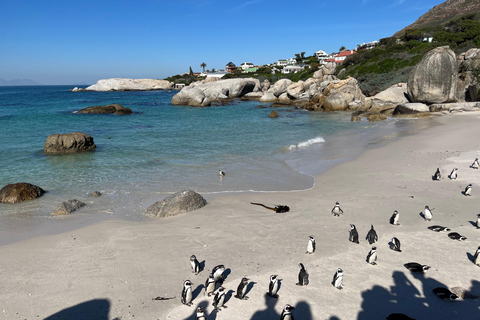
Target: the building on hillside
pixel 231 67
pixel 250 70
pixel 367 46
pixel 340 57
pixel 292 69
pixel 321 56
pixel 246 65
pixel 281 62
pixel 217 74
pixel 291 61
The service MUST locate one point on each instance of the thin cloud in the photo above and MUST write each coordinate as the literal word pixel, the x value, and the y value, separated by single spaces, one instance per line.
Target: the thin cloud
pixel 248 3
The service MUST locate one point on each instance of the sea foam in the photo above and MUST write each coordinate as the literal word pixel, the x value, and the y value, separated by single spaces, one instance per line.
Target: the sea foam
pixel 307 143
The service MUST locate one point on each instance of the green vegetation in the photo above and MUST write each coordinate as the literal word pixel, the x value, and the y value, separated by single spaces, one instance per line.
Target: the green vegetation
pixel 184 78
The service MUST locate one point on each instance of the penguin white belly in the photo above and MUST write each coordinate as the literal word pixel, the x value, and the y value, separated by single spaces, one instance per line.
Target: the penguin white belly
pixel 221 300
pixel 188 296
pixel 310 247
pixel 275 288
pixel 338 281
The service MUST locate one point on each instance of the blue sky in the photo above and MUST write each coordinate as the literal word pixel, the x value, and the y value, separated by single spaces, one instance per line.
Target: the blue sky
pixel 70 42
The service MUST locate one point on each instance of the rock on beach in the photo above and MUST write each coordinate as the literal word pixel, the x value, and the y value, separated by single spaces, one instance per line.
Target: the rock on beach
pixel 17 192
pixel 68 143
pixel 120 84
pixel 68 207
pixel 180 202
pixel 111 108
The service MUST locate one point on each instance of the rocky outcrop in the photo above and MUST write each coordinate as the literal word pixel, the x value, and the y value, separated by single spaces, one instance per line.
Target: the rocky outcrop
pixel 68 207
pixel 389 98
pixel 455 107
pixel 469 75
pixel 17 192
pixel 280 87
pixel 410 109
pixel 434 78
pixel 273 114
pixel 69 143
pixel 95 194
pixel 119 84
pixel 111 108
pixel 180 202
pixel 191 96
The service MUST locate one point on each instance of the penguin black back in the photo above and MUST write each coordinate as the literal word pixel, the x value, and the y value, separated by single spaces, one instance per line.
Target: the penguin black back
pixel 371 236
pixel 353 234
pixel 302 276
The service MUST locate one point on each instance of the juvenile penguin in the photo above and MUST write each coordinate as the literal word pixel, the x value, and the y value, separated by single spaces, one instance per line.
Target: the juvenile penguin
pixel 187 293
pixel 395 244
pixel 353 234
pixel 444 293
pixel 439 228
pixel 302 276
pixel 287 313
pixel 437 176
pixel 371 236
pixel 372 256
pixel 394 218
pixel 217 273
pixel 242 289
pixel 221 173
pixel 476 257
pixel 195 264
pixel 416 267
pixel 209 285
pixel 200 314
pixel 311 245
pixel 453 174
pixel 219 299
pixel 468 190
pixel 475 164
pixel 338 279
pixel 478 221
pixel 336 211
pixel 456 236
pixel 273 286
pixel 427 213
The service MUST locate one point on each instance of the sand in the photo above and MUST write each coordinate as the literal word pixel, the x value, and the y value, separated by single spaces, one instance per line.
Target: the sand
pixel 113 269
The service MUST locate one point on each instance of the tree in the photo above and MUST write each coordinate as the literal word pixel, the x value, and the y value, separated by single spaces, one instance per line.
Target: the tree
pixel 342 48
pixel 297 57
pixel 203 65
pixel 191 71
pixel 303 55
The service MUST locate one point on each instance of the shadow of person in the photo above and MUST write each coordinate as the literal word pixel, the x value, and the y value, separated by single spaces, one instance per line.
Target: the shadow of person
pixel 94 309
pixel 302 311
pixel 203 305
pixel 334 318
pixel 269 312
pixel 377 303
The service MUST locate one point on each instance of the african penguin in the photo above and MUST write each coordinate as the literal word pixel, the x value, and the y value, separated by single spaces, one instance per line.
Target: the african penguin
pixel 187 293
pixel 353 234
pixel 394 218
pixel 456 236
pixel 437 176
pixel 439 228
pixel 219 299
pixel 338 279
pixel 476 257
pixel 195 264
pixel 475 164
pixel 468 190
pixel 311 245
pixel 287 313
pixel 395 244
pixel 416 267
pixel 221 173
pixel 371 236
pixel 372 256
pixel 302 276
pixel 427 213
pixel 444 293
pixel 209 285
pixel 200 314
pixel 453 174
pixel 478 221
pixel 242 289
pixel 336 211
pixel 217 273
pixel 273 286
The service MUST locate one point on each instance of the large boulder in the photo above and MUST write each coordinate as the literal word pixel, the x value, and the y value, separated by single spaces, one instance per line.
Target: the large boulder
pixel 18 192
pixel 68 207
pixel 268 97
pixel 118 84
pixel 411 109
pixel 180 202
pixel 434 78
pixel 191 96
pixel 69 143
pixel 265 85
pixel 337 102
pixel 468 88
pixel 280 87
pixel 389 98
pixel 295 89
pixel 111 108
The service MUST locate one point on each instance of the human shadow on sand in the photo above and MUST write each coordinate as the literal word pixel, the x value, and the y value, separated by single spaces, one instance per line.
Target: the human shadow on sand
pixel 301 311
pixel 94 309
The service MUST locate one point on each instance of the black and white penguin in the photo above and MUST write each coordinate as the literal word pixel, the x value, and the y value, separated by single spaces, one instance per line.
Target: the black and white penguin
pixel 394 218
pixel 439 228
pixel 338 279
pixel 371 236
pixel 242 289
pixel 210 285
pixel 217 273
pixel 311 245
pixel 468 190
pixel 416 267
pixel 221 173
pixel 475 164
pixel 478 221
pixel 287 313
pixel 476 257
pixel 219 299
pixel 395 244
pixel 456 236
pixel 337 211
pixel 195 264
pixel 427 213
pixel 187 293
pixel 437 176
pixel 444 293
pixel 372 256
pixel 398 316
pixel 273 286
pixel 200 314
pixel 453 174
pixel 353 234
pixel 302 276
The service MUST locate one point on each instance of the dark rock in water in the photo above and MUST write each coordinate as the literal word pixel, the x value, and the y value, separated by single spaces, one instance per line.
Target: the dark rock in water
pixel 69 143
pixel 18 192
pixel 273 114
pixel 180 202
pixel 68 207
pixel 95 194
pixel 376 117
pixel 111 108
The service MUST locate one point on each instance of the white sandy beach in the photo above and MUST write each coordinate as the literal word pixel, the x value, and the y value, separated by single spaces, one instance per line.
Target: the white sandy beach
pixel 113 269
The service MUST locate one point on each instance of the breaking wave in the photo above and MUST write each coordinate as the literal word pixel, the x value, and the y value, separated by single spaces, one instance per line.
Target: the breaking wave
pixel 307 143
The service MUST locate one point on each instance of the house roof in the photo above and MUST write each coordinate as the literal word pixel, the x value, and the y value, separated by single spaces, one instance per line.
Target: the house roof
pixel 330 60
pixel 345 53
pixel 231 64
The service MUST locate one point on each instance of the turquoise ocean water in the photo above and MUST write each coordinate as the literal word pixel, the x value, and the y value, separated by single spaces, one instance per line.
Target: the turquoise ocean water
pixel 162 148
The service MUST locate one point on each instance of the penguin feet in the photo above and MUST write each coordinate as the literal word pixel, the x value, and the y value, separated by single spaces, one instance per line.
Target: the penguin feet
pixel 373 263
pixel 339 288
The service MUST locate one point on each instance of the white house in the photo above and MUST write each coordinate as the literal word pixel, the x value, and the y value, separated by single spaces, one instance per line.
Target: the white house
pixel 281 62
pixel 321 55
pixel 217 74
pixel 246 65
pixel 367 46
pixel 292 69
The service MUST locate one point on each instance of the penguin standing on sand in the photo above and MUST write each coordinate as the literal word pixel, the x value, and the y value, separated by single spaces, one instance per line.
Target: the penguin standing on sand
pixel 395 217
pixel 200 314
pixel 453 174
pixel 311 245
pixel 371 236
pixel 287 313
pixel 219 299
pixel 336 211
pixel 242 289
pixel 195 264
pixel 210 285
pixel 444 293
pixel 476 257
pixel 427 213
pixel 187 293
pixel 475 164
pixel 273 286
pixel 437 176
pixel 221 173
pixel 338 279
pixel 372 256
pixel 468 190
pixel 395 244
pixel 302 276
pixel 478 221
pixel 217 273
pixel 416 267
pixel 353 234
